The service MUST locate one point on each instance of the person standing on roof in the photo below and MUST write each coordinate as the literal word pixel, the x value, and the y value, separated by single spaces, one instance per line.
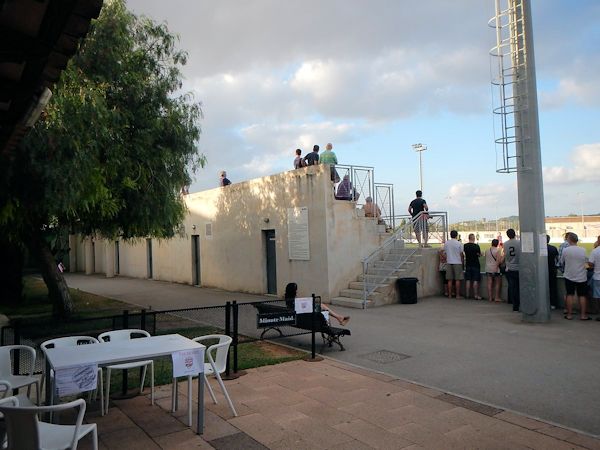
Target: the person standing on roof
pixel 328 157
pixel 224 181
pixel 312 159
pixel 418 210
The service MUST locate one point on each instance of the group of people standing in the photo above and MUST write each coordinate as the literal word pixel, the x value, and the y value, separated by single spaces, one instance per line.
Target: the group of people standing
pixel 345 190
pixel 581 275
pixel 313 158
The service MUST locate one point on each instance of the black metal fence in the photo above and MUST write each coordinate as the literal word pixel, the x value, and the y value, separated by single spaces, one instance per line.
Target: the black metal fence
pixel 238 320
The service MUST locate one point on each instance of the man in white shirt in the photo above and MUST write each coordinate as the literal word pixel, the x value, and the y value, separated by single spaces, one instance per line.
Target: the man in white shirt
pixel 454 262
pixel 595 264
pixel 574 260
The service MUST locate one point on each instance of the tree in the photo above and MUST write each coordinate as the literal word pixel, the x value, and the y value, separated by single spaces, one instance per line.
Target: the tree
pixel 116 145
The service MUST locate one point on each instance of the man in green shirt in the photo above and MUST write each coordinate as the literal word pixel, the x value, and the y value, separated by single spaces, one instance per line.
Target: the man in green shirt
pixel 328 157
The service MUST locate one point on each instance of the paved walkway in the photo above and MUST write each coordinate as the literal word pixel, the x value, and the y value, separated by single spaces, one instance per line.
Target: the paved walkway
pixel 327 405
pixel 478 350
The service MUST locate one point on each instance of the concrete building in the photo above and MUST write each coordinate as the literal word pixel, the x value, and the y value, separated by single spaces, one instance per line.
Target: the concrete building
pixel 254 236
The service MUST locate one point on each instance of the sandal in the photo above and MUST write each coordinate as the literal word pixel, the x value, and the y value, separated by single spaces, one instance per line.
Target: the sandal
pixel 586 318
pixel 477 297
pixel 568 317
pixel 345 320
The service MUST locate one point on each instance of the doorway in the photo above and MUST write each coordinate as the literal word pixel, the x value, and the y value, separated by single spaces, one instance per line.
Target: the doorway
pixel 149 257
pixel 196 260
pixel 270 244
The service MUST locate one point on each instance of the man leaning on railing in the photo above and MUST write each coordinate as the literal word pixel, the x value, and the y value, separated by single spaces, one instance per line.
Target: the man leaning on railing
pixel 418 210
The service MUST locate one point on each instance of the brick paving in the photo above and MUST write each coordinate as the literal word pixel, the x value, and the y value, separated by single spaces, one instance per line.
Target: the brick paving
pixel 327 405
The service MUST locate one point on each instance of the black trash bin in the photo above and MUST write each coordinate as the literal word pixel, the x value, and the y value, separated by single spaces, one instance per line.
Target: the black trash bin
pixel 406 288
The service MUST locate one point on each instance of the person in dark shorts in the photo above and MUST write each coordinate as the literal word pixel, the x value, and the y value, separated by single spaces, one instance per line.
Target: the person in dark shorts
pixel 419 205
pixel 472 267
pixel 574 261
pixel 512 254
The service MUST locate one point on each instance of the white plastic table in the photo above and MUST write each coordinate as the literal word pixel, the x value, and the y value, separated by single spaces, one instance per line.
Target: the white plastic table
pixel 109 353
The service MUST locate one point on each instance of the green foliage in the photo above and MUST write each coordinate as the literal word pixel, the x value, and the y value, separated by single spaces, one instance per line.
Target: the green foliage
pixel 118 141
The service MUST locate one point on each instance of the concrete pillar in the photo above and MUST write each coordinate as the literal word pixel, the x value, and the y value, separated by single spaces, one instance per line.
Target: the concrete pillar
pixel 109 258
pixel 89 256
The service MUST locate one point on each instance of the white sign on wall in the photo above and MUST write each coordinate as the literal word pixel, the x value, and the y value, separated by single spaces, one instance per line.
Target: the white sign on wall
pixel 526 242
pixel 298 233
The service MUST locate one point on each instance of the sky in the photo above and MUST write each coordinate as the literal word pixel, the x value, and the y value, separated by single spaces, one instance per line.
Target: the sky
pixel 374 77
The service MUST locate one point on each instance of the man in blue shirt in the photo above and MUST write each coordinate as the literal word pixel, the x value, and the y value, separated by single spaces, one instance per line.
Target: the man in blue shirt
pixel 312 159
pixel 417 206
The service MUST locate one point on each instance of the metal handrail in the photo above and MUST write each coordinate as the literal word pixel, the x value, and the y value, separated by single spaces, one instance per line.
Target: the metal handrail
pixel 437 224
pixel 396 238
pixel 402 234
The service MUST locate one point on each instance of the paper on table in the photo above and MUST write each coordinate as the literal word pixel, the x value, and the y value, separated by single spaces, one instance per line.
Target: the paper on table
pixel 73 380
pixel 526 242
pixel 188 362
pixel 303 305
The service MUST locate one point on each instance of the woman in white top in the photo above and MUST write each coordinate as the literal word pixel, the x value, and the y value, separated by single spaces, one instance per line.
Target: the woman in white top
pixel 493 259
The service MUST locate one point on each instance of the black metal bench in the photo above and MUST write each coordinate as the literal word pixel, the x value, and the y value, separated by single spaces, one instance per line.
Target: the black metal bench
pixel 331 335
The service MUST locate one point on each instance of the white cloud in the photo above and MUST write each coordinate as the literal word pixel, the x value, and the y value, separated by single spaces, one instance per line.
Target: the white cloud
pixel 467 195
pixel 585 167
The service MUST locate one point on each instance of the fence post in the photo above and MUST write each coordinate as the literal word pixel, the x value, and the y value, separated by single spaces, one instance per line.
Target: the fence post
pixel 235 337
pixel 125 326
pixel 227 332
pixel 143 320
pixel 312 345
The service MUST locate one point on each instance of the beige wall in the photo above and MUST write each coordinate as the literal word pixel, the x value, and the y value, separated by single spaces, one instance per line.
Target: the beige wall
pixel 234 256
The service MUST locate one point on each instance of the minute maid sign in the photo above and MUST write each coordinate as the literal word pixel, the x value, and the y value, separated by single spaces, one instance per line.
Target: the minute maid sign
pixel 275 319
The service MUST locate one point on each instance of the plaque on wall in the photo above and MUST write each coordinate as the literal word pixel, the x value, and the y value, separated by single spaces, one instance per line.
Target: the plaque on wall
pixel 298 233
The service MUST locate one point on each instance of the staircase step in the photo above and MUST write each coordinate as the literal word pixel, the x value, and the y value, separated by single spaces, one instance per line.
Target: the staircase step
pixel 381 287
pixel 348 302
pixel 379 279
pixel 358 293
pixel 384 272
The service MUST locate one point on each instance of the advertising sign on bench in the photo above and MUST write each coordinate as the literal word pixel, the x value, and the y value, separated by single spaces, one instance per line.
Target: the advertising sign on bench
pixel 275 319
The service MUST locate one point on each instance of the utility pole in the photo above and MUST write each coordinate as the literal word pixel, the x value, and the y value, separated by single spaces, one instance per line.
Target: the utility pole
pixel 533 262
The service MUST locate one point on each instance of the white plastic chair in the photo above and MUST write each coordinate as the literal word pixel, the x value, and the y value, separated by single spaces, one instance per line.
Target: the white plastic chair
pixel 73 341
pixel 126 335
pixel 215 366
pixel 25 431
pixel 19 381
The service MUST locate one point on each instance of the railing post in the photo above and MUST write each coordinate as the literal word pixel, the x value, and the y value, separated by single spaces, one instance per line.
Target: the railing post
pixel 143 320
pixel 227 332
pixel 313 317
pixel 125 326
pixel 235 337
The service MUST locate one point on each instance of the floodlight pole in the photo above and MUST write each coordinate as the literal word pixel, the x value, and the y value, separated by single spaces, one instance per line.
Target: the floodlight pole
pixel 420 148
pixel 533 261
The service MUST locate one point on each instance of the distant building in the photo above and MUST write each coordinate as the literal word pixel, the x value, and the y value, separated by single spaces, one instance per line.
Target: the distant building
pixel 587 229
